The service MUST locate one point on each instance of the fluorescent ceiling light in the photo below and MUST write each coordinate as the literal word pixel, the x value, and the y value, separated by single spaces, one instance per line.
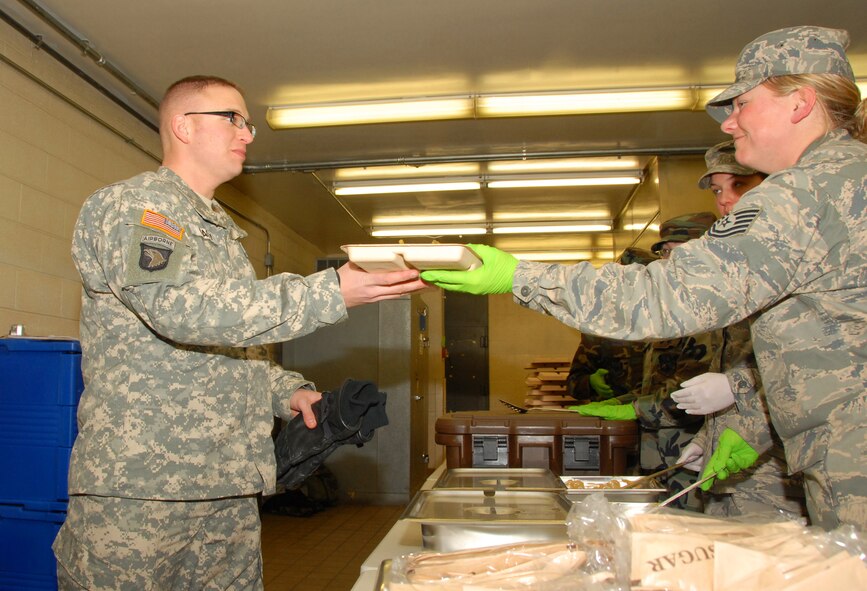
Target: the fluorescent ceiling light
pixel 552 228
pixel 563 255
pixel 506 216
pixel 354 113
pixel 565 182
pixel 420 187
pixel 564 164
pixel 585 102
pixel 428 231
pixel 569 102
pixel 427 219
pixel 428 170
pixel 862 86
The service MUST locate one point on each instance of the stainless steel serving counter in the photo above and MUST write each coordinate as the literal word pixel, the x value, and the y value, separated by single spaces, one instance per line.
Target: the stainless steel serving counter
pixel 403 538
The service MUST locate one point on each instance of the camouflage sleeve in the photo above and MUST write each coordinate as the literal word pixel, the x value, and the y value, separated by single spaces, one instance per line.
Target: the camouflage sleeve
pixel 750 419
pixel 748 260
pixel 584 363
pixel 182 303
pixel 284 383
pixel 702 438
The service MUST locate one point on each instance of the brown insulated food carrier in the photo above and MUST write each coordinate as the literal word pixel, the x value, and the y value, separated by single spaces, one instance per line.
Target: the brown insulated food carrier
pixel 565 443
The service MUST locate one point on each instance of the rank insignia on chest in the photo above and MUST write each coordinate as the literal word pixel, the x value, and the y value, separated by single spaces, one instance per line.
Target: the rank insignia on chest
pixel 155 252
pixel 158 221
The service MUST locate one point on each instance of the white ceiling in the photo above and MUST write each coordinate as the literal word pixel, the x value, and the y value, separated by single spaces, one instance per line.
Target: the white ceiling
pixel 294 51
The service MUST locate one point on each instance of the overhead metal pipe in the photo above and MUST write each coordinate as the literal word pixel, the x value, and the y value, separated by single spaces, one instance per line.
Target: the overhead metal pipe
pixel 450 159
pixel 88 50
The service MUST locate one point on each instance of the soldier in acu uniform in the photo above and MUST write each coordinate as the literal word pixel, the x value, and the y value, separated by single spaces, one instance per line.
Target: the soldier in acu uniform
pixel 175 421
pixel 793 251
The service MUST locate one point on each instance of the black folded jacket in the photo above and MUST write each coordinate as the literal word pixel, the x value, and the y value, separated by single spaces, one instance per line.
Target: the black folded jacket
pixel 349 415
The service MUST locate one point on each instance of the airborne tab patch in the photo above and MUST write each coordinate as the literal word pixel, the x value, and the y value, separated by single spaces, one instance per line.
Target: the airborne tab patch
pixel 158 221
pixel 735 223
pixel 155 252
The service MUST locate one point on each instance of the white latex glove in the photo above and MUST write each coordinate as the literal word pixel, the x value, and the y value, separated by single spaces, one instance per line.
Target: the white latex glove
pixel 704 394
pixel 693 455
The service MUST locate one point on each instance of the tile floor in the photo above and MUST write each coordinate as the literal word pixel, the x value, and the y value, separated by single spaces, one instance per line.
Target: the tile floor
pixel 322 552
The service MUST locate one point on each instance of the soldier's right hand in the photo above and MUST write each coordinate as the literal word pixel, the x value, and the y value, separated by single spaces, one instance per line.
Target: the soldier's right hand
pixel 693 456
pixel 360 287
pixel 597 382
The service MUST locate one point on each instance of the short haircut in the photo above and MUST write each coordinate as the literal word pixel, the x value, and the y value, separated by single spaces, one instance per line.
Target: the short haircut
pixel 192 85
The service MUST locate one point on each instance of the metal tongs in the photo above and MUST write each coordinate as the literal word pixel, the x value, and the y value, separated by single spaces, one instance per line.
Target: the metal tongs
pixel 645 479
pixel 676 496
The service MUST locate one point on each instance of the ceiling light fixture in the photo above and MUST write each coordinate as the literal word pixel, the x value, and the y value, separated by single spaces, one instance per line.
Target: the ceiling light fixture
pixel 428 231
pixel 551 228
pixel 360 112
pixel 582 181
pixel 563 165
pixel 586 102
pixel 547 216
pixel 390 220
pixel 564 255
pixel 564 102
pixel 342 189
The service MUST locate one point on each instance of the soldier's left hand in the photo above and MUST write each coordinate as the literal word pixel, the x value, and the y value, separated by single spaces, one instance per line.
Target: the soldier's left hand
pixel 704 394
pixel 302 401
pixel 732 455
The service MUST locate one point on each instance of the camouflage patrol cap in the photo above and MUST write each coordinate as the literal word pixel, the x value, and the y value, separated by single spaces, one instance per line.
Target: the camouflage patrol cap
pixel 684 228
pixel 721 158
pixel 795 50
pixel 637 255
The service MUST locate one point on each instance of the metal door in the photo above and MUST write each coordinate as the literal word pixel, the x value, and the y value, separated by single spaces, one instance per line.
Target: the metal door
pixel 466 335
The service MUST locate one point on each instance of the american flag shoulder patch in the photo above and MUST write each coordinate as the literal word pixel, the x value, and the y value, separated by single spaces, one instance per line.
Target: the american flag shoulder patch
pixel 735 223
pixel 158 221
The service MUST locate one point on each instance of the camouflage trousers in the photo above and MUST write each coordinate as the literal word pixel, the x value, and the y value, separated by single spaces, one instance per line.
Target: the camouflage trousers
pixel 117 544
pixel 660 449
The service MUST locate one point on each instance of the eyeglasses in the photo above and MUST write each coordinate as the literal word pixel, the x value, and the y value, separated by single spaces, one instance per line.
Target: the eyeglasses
pixel 663 252
pixel 234 118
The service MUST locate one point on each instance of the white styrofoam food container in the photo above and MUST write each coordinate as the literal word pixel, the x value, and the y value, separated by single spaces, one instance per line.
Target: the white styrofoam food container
pixel 394 257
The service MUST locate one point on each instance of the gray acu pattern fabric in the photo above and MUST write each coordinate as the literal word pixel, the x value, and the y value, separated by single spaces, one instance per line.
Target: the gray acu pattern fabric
pixel 794 50
pixel 765 487
pixel 163 546
pixel 179 398
pixel 793 250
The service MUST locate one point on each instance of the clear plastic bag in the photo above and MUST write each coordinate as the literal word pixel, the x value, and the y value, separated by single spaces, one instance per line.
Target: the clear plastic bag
pixel 591 559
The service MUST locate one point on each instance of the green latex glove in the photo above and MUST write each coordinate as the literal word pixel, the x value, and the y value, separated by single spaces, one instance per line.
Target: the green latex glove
pixel 597 382
pixel 610 412
pixel 597 404
pixel 732 455
pixel 494 276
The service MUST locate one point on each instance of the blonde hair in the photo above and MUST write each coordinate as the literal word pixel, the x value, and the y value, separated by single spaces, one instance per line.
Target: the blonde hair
pixel 839 98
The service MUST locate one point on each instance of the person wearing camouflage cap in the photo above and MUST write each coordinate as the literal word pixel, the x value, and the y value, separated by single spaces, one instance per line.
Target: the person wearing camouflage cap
pixel 633 254
pixel 791 251
pixel 727 179
pixel 681 229
pixel 174 443
pixel 765 487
